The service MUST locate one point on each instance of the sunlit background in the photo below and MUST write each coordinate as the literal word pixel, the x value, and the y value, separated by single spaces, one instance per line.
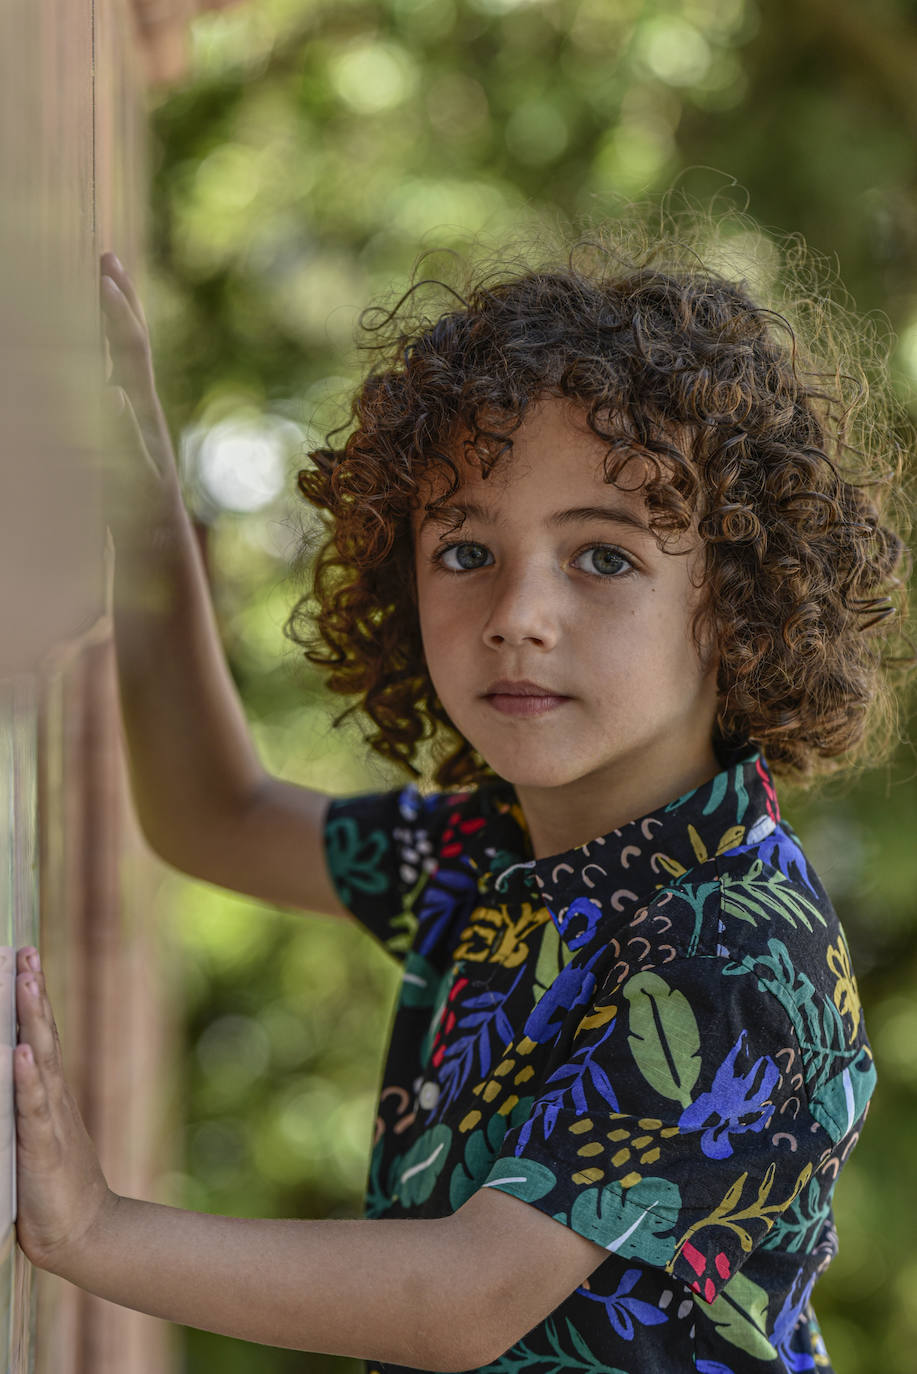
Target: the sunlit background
pixel 312 152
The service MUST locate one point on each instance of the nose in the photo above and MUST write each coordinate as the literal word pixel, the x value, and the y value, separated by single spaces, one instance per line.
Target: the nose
pixel 523 609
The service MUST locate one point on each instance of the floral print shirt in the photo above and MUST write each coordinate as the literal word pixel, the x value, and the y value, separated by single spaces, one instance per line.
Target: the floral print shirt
pixel 655 1038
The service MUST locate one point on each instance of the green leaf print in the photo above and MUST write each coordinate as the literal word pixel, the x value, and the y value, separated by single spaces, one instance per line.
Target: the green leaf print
pixel 481 1150
pixel 664 1038
pixel 520 1357
pixel 419 982
pixel 801 1221
pixel 524 1178
pixel 419 1169
pixel 354 859
pixel 776 898
pixel 553 957
pixel 739 1314
pixel 817 1022
pixel 837 1103
pixel 612 1217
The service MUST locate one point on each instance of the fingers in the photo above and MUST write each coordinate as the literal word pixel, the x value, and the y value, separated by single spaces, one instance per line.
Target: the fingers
pixel 111 268
pixel 37 1029
pixel 34 1120
pixel 132 368
pixel 127 334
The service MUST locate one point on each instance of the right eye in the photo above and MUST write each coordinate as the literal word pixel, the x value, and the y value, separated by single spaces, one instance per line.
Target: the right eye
pixel 468 555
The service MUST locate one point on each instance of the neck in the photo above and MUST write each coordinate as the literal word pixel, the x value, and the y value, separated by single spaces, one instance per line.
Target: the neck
pixel 560 818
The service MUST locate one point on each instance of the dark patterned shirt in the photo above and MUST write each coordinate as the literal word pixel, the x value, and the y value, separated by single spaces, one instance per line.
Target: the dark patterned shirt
pixel 655 1038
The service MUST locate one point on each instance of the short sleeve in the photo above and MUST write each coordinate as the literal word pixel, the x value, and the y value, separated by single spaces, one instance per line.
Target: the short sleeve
pixel 671 1126
pixel 387 857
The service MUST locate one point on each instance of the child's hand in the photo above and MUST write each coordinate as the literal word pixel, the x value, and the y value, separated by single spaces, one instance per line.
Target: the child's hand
pixel 144 471
pixel 61 1191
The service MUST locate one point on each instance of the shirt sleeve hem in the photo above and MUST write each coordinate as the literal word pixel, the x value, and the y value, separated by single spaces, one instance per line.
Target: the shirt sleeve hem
pixel 626 1236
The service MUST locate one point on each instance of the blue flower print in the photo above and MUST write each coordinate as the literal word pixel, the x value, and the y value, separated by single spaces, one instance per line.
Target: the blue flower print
pixel 622 1310
pixel 796 1305
pixel 581 916
pixel 573 987
pixel 736 1102
pixel 449 898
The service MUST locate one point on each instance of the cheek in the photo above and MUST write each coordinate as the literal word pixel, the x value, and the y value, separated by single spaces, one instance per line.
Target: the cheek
pixel 439 624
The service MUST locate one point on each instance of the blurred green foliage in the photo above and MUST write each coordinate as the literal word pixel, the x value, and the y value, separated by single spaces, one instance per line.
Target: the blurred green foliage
pixel 313 151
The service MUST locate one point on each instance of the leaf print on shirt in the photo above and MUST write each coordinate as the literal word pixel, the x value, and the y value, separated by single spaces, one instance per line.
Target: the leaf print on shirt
pixel 846 996
pixel 623 1310
pixel 754 898
pixel 796 1305
pixel 820 1033
pixel 837 1103
pixel 737 1101
pixel 630 1222
pixel 493 936
pixel 481 1149
pixel 419 982
pixel 553 956
pixel 448 898
pixel 530 1179
pixel 474 1025
pixel 802 1221
pixel 740 1316
pixel 570 1078
pixel 354 859
pixel 417 1171
pixel 728 840
pixel 579 922
pixel 579 1359
pixel 573 987
pixel 664 1038
pixel 729 1214
pixel 782 852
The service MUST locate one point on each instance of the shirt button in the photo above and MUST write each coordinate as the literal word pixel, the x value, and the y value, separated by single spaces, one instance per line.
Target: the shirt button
pixel 429 1096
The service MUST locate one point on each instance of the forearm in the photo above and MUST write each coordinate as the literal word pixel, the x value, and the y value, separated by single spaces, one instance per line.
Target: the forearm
pixel 188 742
pixel 367 1289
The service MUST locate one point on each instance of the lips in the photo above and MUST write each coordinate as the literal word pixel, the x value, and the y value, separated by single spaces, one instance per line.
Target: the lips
pixel 523 697
pixel 522 687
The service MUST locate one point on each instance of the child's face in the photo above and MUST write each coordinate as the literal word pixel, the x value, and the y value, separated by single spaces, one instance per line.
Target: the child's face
pixel 531 597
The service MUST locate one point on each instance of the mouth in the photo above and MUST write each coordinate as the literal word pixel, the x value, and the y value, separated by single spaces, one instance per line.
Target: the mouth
pixel 523 698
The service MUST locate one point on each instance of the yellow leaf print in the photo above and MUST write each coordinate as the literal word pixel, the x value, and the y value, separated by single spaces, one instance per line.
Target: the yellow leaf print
pixel 697 844
pixel 492 936
pixel 598 1018
pixel 846 996
pixel 730 838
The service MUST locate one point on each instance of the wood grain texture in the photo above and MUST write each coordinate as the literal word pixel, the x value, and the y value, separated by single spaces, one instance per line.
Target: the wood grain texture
pixel 74 171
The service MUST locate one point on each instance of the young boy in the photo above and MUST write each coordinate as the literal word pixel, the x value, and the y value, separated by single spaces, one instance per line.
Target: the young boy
pixel 591 527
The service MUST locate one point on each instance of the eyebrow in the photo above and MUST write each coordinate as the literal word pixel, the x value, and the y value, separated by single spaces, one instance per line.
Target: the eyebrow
pixel 572 516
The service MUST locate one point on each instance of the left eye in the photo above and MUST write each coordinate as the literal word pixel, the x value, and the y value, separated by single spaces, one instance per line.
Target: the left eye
pixel 604 558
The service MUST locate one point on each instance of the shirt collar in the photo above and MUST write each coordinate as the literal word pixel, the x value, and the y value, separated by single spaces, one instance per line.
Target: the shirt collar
pixel 614 872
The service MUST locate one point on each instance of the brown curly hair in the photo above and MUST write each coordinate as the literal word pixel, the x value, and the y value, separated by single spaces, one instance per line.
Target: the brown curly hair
pixel 773 434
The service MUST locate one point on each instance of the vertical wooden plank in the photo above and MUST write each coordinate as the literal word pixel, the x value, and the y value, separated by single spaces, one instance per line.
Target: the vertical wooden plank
pixel 74 170
pixel 20 920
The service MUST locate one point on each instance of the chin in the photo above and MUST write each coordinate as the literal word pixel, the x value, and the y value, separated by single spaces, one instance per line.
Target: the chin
pixel 523 769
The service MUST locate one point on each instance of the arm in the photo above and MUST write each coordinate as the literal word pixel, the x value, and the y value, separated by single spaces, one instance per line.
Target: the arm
pixel 446 1294
pixel 202 796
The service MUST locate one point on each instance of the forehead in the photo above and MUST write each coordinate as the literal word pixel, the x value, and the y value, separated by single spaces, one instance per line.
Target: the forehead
pixel 556 461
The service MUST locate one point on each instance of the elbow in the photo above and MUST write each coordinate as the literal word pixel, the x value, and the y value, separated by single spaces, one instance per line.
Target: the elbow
pixel 468 1337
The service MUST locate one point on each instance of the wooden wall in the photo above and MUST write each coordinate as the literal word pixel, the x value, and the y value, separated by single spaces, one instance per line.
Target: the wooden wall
pixel 76 879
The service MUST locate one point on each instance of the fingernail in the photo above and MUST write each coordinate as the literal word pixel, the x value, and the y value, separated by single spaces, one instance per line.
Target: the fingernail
pixel 34 962
pixel 117 262
pixel 31 987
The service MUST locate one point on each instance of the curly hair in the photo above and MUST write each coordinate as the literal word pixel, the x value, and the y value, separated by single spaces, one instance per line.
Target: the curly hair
pixel 771 433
